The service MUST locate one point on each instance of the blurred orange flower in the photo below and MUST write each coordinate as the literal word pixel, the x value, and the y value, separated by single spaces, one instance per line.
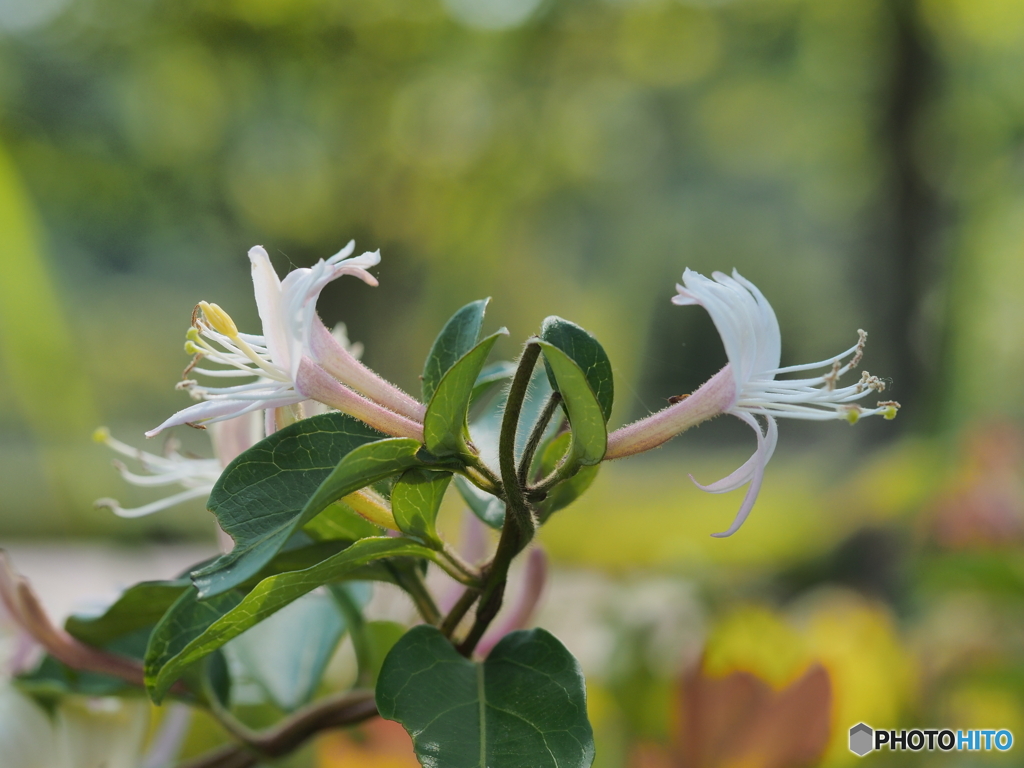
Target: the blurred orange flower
pixel 375 744
pixel 741 721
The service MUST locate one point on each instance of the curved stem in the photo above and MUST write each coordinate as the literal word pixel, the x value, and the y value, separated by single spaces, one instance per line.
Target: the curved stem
pixel 422 598
pixel 449 552
pixel 562 472
pixel 536 435
pixel 519 526
pixel 255 747
pixel 458 611
pixel 461 571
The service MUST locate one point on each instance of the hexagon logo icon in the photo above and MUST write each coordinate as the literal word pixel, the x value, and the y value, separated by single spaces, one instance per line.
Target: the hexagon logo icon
pixel 861 739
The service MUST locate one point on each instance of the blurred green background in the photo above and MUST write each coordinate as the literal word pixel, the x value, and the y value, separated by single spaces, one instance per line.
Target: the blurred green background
pixel 862 161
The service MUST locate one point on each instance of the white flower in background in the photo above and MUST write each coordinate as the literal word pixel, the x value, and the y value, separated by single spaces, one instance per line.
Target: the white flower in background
pixel 196 476
pixel 747 387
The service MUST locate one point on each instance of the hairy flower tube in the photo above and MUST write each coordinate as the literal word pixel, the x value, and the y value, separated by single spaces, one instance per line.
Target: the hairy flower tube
pixel 282 359
pixel 747 386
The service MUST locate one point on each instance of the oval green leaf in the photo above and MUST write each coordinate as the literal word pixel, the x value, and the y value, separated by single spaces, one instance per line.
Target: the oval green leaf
pixel 445 423
pixel 587 353
pixel 524 707
pixel 192 629
pixel 586 418
pixel 458 336
pixel 260 496
pixel 415 500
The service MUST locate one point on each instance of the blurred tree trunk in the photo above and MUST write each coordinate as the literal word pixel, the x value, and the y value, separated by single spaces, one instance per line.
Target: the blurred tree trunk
pixel 907 267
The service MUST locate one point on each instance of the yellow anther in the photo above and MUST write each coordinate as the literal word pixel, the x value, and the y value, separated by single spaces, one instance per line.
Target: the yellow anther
pixel 192 334
pixel 191 348
pixel 101 435
pixel 219 319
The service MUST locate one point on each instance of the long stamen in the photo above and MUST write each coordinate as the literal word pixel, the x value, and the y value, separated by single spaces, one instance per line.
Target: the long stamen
pixel 221 322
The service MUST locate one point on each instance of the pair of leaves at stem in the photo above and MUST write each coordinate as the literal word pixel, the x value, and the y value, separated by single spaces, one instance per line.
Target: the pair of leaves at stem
pixel 271 491
pixel 578 368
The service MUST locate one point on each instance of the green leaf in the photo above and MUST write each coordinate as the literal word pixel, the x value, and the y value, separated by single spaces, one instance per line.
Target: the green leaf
pixel 587 353
pixel 490 509
pixel 566 492
pixel 52 680
pixel 524 707
pixel 589 433
pixel 260 497
pixel 364 466
pixel 123 628
pixel 192 629
pixel 187 619
pixel 458 336
pixel 444 424
pixel 139 607
pixel 491 376
pixel 286 653
pixel 415 500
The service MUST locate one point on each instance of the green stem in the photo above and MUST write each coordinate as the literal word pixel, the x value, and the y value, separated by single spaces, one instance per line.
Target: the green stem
pixel 421 598
pixel 519 526
pixel 480 475
pixel 356 625
pixel 562 472
pixel 536 435
pixel 458 611
pixel 453 557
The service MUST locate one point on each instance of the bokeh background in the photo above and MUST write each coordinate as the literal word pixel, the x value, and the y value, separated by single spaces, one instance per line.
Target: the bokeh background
pixel 862 161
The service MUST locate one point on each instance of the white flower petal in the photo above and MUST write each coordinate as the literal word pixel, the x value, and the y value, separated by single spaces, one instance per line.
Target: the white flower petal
pixel 765 448
pixel 267 287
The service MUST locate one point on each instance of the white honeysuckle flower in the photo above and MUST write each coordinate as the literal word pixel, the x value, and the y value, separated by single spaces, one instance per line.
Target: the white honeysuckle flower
pixel 197 476
pixel 747 386
pixel 282 360
pixel 288 307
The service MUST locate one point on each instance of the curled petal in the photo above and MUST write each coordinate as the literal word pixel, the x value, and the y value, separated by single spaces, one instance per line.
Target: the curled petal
pixel 763 452
pixel 751 472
